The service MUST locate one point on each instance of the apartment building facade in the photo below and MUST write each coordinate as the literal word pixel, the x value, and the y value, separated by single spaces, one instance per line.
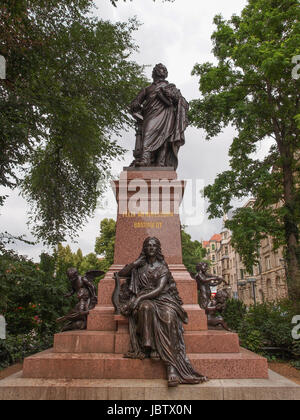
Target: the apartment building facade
pixel 267 282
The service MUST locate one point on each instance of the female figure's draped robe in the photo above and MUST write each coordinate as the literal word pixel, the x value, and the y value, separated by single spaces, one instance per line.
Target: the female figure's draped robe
pixel 157 323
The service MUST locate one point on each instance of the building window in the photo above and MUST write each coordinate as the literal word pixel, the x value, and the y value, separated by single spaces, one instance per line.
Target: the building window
pixel 268 263
pixel 213 247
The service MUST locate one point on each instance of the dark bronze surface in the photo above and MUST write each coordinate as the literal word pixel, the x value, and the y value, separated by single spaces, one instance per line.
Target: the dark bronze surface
pixel 87 299
pixel 150 299
pixel 204 283
pixel 161 117
pixel 216 308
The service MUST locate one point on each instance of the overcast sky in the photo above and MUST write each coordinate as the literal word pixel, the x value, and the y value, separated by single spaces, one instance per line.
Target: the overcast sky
pixel 179 35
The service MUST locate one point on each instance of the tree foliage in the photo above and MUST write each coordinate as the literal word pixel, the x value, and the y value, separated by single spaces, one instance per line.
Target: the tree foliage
pixel 69 81
pixel 252 88
pixel 105 242
pixel 192 251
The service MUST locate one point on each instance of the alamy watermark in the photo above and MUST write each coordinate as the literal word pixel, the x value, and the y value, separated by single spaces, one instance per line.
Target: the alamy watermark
pixel 296 329
pixel 2 328
pixel 295 71
pixel 2 67
pixel 155 198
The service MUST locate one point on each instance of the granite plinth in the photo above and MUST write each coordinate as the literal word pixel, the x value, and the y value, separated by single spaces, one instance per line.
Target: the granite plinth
pixel 275 388
pixel 119 342
pixel 148 205
pixel 50 365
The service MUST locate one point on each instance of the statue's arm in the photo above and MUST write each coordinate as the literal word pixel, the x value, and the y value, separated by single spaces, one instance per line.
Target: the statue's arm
pixel 216 279
pixel 126 271
pixel 205 279
pixel 135 105
pixel 163 98
pixel 70 294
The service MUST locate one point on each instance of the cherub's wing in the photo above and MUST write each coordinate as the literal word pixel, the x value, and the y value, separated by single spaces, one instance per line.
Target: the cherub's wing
pixel 91 275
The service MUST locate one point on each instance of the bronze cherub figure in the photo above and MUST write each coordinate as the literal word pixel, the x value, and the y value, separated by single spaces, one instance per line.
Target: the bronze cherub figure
pixel 216 309
pixel 86 292
pixel 204 282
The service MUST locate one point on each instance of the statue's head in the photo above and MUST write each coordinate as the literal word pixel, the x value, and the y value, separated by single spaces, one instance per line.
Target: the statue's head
pixel 72 273
pixel 203 266
pixel 152 247
pixel 160 72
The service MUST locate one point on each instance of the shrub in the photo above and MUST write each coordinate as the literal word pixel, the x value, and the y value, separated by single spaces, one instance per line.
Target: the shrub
pixel 235 313
pixel 264 325
pixel 250 338
pixel 16 347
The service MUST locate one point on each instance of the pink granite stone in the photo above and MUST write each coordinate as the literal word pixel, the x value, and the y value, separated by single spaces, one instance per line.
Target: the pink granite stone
pixel 211 342
pixel 119 341
pixel 113 366
pixel 122 343
pixel 100 319
pixel 85 342
pixel 135 225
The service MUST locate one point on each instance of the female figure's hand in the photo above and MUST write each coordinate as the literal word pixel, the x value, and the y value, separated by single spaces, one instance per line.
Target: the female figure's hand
pixel 134 304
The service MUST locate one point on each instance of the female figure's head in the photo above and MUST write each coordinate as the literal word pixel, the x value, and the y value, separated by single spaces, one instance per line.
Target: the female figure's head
pixel 152 248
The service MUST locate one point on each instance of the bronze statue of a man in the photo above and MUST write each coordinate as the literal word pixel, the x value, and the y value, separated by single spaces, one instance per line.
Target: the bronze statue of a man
pixel 161 114
pixel 150 299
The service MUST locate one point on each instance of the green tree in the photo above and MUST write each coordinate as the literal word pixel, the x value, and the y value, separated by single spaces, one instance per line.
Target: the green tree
pixel 69 82
pixel 192 251
pixel 105 242
pixel 90 262
pixel 251 87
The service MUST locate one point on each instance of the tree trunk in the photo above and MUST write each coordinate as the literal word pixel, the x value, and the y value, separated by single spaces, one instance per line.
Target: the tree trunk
pixel 291 233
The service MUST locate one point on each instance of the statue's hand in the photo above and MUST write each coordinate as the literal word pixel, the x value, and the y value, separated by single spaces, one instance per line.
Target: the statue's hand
pixel 134 304
pixel 139 262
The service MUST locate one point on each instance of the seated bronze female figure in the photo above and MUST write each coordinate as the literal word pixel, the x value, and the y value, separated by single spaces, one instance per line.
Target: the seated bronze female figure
pixel 150 299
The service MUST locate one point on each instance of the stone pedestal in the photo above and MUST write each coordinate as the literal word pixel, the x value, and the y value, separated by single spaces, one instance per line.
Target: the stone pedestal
pixel 97 354
pixel 148 204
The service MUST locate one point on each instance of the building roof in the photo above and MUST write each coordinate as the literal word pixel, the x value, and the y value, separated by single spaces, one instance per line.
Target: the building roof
pixel 217 237
pixel 205 244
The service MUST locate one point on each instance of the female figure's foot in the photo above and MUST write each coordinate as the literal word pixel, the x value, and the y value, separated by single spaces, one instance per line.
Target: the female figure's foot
pixel 173 379
pixel 196 380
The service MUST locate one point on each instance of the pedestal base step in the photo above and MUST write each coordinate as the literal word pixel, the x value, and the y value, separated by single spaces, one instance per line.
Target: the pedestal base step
pixel 275 388
pixel 102 319
pixel 113 342
pixel 50 365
